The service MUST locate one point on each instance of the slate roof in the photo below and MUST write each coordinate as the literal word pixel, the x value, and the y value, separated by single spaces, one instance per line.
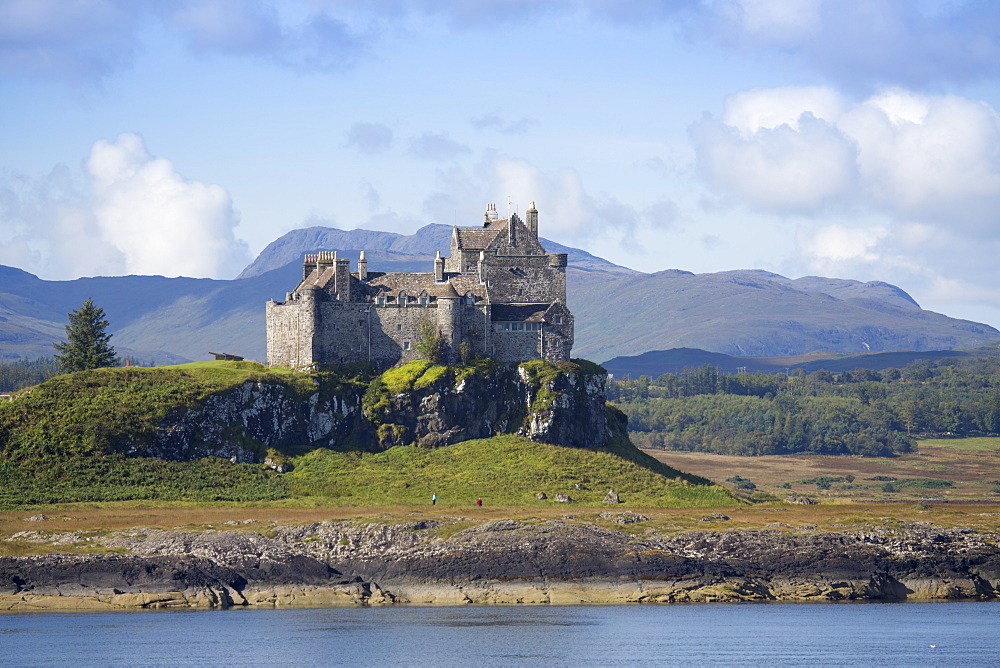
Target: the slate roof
pixel 476 238
pixel 518 312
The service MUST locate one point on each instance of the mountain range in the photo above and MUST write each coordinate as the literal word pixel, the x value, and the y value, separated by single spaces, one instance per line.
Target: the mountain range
pixel 619 311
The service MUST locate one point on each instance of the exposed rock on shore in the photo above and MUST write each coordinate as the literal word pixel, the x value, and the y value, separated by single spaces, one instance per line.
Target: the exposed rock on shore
pixel 502 561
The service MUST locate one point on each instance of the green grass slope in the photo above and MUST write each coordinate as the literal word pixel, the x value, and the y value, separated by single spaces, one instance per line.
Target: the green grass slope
pixel 57 445
pixel 503 471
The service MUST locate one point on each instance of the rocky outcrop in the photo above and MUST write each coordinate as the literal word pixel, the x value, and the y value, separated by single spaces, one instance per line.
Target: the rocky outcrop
pixel 242 423
pixel 562 404
pixel 431 406
pixel 500 561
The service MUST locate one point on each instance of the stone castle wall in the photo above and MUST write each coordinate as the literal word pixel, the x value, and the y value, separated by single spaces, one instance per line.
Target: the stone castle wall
pixel 346 332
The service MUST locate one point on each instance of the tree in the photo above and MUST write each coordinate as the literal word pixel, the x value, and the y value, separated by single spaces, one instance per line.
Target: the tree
pixel 87 346
pixel 431 344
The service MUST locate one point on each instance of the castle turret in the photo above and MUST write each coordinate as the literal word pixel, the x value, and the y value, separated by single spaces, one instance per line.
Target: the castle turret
pixel 532 220
pixel 362 267
pixel 449 320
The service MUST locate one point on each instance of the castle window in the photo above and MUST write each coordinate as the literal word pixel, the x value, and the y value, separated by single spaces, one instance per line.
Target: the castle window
pixel 406 345
pixel 469 299
pixel 399 328
pixel 402 298
pixel 558 319
pixel 423 299
pixel 380 300
pixel 517 326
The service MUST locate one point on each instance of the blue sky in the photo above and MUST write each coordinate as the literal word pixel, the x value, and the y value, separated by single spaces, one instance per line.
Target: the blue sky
pixel 852 139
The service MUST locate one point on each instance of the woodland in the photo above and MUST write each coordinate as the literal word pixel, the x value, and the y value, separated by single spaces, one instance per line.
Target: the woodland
pixel 860 412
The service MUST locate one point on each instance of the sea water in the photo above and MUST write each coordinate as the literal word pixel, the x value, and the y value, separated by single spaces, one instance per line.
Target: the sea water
pixel 858 634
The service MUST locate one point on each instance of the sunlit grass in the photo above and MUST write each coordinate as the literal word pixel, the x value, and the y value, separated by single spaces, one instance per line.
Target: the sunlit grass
pixel 974 444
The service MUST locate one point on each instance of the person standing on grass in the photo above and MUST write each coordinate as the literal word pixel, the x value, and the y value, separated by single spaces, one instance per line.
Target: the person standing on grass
pixel 479 502
pixel 434 499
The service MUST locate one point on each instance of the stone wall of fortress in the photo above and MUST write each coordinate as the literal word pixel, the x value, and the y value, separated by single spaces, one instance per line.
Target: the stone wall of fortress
pixel 387 335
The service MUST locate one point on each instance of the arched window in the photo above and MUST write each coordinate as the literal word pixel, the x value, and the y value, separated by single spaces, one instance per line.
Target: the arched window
pixel 469 299
pixel 402 298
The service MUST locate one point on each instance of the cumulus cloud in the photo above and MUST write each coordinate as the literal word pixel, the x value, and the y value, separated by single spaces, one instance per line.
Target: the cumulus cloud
pixel 837 244
pixel 370 138
pixel 128 212
pixel 933 158
pixel 782 169
pixel 570 211
pixel 917 177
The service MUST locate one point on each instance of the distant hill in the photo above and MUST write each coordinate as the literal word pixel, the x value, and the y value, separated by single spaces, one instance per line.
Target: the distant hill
pixel 618 311
pixel 392 252
pixel 658 362
pixel 755 314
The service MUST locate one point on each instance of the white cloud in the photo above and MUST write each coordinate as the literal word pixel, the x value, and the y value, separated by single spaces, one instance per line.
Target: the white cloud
pixel 931 158
pixel 128 213
pixel 781 169
pixel 757 109
pixel 160 221
pixel 839 244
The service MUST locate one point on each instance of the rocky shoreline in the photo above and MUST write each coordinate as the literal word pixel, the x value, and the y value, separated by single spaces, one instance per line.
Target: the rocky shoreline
pixel 462 561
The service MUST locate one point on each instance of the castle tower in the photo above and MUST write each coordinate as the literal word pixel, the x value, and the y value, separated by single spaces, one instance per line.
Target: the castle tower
pixel 306 338
pixel 449 316
pixel 532 220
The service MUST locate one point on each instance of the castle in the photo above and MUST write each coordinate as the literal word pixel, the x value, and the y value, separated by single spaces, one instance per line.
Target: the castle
pixel 498 294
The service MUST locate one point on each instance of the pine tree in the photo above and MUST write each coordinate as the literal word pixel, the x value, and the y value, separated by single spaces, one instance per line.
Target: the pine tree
pixel 87 345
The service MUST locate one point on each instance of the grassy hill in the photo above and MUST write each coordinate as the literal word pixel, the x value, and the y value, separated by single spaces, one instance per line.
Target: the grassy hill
pixel 59 442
